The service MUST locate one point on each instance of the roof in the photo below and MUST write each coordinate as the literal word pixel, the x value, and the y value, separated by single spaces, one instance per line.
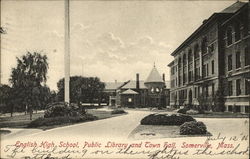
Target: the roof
pixel 112 85
pixel 171 63
pixel 132 85
pixel 154 76
pixel 234 7
pixel 129 91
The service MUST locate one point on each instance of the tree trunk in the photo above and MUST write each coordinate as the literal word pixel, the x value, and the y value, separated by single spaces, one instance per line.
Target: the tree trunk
pixel 30 113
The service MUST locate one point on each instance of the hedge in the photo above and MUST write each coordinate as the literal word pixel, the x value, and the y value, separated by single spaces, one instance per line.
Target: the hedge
pixel 193 128
pixel 166 119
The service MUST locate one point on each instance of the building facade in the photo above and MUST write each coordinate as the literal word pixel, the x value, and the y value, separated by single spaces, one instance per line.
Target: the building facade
pixel 211 60
pixel 137 93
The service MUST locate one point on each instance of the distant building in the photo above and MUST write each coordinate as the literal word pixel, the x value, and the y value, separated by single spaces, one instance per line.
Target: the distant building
pixel 214 61
pixel 135 93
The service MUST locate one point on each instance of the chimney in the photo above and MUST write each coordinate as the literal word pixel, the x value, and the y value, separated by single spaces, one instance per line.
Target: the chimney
pixel 163 77
pixel 137 81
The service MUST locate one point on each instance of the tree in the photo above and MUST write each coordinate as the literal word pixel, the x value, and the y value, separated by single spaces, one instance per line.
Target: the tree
pixel 82 89
pixel 5 99
pixel 28 80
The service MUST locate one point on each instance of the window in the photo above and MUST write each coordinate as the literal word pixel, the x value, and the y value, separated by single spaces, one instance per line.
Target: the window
pixel 152 90
pixel 212 63
pixel 197 73
pixel 229 36
pixel 195 92
pixel 211 48
pixel 247 109
pixel 207 70
pixel 179 63
pixel 238 64
pixel 230 108
pixel 237 109
pixel 190 56
pixel 157 90
pixel 129 100
pixel 184 60
pixel 204 46
pixel 184 78
pixel 172 70
pixel 204 71
pixel 237 31
pixel 230 88
pixel 196 51
pixel 247 56
pixel 247 87
pixel 238 90
pixel 190 76
pixel 229 62
pixel 212 89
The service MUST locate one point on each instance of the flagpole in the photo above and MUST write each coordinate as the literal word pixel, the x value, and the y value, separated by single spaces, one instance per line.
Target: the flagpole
pixel 67 53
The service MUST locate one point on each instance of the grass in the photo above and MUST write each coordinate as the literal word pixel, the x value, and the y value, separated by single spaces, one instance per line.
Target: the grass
pixel 18 121
pixel 22 120
pixel 220 115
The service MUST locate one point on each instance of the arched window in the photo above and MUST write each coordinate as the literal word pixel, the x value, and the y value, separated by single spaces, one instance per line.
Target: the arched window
pixel 229 36
pixel 196 51
pixel 204 45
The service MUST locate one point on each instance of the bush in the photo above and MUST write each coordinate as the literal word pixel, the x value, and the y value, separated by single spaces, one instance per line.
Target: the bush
pixel 118 111
pixel 183 110
pixel 60 109
pixel 193 128
pixel 61 120
pixel 166 119
pixel 192 112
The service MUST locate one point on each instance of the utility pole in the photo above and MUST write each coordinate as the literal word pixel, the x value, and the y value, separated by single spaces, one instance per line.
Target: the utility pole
pixel 0 46
pixel 67 53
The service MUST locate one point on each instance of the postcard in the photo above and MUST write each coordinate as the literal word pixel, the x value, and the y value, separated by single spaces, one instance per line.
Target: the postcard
pixel 154 79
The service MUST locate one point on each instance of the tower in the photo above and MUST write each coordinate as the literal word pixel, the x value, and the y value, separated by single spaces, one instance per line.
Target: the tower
pixel 155 86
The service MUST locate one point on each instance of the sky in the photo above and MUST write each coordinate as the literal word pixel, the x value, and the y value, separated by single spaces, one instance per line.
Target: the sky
pixel 112 40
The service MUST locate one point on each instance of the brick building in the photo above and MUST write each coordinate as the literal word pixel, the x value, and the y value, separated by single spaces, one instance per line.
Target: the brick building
pixel 137 93
pixel 213 62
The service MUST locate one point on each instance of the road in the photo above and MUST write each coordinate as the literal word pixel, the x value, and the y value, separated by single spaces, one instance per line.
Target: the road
pixel 122 126
pixel 116 131
pixel 116 127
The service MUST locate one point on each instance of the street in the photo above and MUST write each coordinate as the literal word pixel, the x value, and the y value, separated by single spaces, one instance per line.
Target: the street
pixel 122 126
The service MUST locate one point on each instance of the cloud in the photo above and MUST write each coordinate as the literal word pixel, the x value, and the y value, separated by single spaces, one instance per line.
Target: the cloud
pixel 108 41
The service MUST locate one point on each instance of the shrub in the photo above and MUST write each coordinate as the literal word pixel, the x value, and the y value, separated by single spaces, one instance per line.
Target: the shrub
pixel 117 111
pixel 166 119
pixel 60 109
pixel 193 128
pixel 192 112
pixel 60 120
pixel 183 110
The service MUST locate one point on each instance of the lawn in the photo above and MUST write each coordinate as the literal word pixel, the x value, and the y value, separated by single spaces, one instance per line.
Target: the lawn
pixel 18 120
pixel 22 120
pixel 221 115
